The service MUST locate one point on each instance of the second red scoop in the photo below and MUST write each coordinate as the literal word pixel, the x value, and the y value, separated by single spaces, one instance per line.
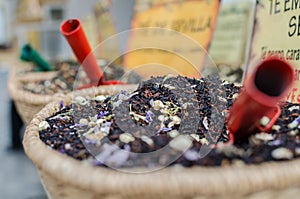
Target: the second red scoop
pixel 73 32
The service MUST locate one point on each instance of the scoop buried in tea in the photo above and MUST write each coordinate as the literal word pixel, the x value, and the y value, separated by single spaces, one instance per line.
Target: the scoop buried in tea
pixel 256 109
pixel 74 33
pixel 29 54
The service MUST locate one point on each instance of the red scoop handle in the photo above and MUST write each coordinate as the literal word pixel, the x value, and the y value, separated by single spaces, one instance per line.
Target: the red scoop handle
pixel 73 32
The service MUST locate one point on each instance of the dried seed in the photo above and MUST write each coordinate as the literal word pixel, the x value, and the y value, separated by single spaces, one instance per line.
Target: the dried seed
pixel 167 77
pixel 43 125
pixel 293 108
pixel 68 146
pixel 264 121
pixel 169 86
pixel 222 99
pixel 164 111
pixel 195 136
pixel 100 98
pixel 126 138
pixel 264 136
pixel 80 100
pixel 146 139
pixel 282 153
pixel 171 124
pixel 176 119
pixel 204 141
pixel 235 96
pixel 276 127
pixel 181 143
pixel 293 125
pixel 100 121
pixel 118 158
pixel 157 105
pixel 161 118
pixel 293 132
pixel 191 155
pixel 83 121
pixel 205 123
pixel 96 136
pixel 173 133
pixel 238 163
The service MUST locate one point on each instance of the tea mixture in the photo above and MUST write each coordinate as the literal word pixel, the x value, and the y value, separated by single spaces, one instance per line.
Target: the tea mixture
pixel 69 75
pixel 166 121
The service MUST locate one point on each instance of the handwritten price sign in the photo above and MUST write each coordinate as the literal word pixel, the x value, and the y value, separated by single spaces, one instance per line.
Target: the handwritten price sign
pixel 277 33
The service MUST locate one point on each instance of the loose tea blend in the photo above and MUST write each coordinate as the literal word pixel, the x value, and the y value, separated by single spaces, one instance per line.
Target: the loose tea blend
pixel 69 73
pixel 61 83
pixel 170 118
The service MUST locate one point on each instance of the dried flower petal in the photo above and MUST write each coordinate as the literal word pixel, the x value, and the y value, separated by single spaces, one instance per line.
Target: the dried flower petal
pixel 165 129
pixel 61 104
pixel 102 114
pixel 205 123
pixel 149 115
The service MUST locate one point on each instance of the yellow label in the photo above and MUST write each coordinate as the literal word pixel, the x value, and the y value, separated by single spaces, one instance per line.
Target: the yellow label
pixel 171 34
pixel 277 32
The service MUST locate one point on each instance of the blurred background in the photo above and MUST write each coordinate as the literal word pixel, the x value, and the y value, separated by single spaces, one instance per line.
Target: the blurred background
pixel 37 22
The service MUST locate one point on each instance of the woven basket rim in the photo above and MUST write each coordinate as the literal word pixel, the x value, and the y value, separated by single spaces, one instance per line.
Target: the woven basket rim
pixel 179 181
pixel 17 93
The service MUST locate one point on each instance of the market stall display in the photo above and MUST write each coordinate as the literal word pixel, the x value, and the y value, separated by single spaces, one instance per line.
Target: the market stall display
pixel 88 142
pixel 189 135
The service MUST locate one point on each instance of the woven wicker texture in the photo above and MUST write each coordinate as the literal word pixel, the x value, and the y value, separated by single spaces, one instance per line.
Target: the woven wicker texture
pixel 23 70
pixel 65 177
pixel 27 103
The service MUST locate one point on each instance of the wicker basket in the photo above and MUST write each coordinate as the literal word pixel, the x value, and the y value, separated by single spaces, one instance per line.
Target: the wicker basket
pixel 28 103
pixel 23 70
pixel 65 177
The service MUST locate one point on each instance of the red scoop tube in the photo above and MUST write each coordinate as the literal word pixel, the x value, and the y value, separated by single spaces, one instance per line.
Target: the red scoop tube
pixel 270 83
pixel 73 32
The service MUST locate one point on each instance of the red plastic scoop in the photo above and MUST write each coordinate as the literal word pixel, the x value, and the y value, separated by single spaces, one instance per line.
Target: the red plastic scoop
pixel 270 83
pixel 73 32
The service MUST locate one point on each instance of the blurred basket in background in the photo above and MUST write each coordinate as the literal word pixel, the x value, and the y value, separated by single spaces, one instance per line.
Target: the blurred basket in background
pixel 28 103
